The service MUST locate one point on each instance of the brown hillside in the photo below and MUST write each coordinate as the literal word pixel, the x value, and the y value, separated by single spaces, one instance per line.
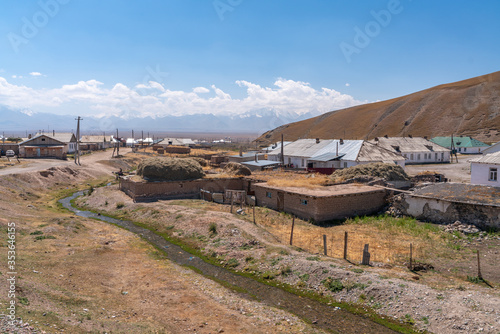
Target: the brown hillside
pixel 470 107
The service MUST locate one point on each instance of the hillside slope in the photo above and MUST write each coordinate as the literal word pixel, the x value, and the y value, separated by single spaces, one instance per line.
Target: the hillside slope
pixel 469 107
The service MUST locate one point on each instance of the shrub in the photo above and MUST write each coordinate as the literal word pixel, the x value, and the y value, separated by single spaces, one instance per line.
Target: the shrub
pixel 212 229
pixel 120 205
pixel 334 285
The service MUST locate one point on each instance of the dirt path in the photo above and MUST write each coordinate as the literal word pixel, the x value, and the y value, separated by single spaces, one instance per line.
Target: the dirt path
pixel 455 172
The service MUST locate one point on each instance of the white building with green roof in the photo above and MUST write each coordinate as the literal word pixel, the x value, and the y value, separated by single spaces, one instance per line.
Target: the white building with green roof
pixel 462 144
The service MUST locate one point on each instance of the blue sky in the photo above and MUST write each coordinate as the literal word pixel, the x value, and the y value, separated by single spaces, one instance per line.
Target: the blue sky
pixel 96 56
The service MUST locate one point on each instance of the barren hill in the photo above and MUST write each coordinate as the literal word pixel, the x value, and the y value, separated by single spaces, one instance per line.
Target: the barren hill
pixel 469 107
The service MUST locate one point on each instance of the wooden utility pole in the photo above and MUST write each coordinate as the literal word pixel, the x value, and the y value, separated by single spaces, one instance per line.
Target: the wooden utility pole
pixel 254 211
pixel 117 144
pixel 282 153
pixel 77 150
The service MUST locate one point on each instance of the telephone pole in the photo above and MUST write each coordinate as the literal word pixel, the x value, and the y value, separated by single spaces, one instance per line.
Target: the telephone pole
pixel 77 151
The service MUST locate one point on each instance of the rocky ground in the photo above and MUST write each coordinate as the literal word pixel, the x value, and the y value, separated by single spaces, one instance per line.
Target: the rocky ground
pixel 452 306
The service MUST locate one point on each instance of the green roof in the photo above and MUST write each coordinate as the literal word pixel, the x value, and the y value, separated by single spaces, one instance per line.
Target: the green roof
pixel 458 141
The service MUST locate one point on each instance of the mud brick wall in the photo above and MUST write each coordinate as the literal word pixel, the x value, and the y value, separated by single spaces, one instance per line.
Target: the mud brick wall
pixel 177 189
pixel 322 208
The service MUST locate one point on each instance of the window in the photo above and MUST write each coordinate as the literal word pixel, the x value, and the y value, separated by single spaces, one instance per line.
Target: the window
pixel 418 156
pixel 435 156
pixel 302 162
pixel 268 194
pixel 425 155
pixel 465 149
pixel 442 156
pixel 493 174
pixel 43 139
pixel 345 164
pixel 411 156
pixel 303 201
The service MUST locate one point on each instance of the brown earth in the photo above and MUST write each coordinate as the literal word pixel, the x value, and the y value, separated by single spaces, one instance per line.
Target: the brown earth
pixel 77 275
pixel 470 107
pixel 441 300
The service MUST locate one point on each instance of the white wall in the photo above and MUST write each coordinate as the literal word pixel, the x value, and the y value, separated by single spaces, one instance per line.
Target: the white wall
pixel 426 157
pixel 480 174
pixel 469 150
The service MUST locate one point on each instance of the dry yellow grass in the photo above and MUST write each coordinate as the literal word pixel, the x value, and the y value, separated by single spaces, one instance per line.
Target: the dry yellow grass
pixel 291 179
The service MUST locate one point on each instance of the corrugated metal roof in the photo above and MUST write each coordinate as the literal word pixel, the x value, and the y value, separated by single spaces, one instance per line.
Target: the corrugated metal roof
pixel 492 158
pixel 261 163
pixel 458 142
pixel 326 157
pixel 408 145
pixel 492 149
pixel 65 137
pixel 94 139
pixel 40 135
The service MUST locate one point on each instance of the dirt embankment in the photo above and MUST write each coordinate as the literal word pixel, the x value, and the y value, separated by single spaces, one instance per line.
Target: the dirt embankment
pixel 78 275
pixel 452 306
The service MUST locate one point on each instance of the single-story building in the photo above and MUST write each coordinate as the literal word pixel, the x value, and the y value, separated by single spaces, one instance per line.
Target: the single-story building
pixel 93 143
pixel 416 150
pixel 260 164
pixel 67 138
pixel 43 146
pixel 248 156
pixel 484 170
pixel 325 156
pixel 322 204
pixel 462 144
pixel 492 149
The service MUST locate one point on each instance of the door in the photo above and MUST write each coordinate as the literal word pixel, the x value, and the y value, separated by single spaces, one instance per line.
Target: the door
pixel 38 152
pixel 281 201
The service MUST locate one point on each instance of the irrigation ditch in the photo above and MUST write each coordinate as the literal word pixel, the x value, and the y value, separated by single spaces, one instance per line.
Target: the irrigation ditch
pixel 327 317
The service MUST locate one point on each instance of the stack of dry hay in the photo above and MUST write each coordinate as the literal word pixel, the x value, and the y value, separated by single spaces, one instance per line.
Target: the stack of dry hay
pixel 170 169
pixel 235 168
pixel 370 172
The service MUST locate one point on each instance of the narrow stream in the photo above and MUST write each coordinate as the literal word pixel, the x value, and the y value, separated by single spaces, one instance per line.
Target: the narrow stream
pixel 323 316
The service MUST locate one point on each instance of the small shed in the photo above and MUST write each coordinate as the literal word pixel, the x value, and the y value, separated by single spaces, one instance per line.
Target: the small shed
pixel 42 146
pixel 260 164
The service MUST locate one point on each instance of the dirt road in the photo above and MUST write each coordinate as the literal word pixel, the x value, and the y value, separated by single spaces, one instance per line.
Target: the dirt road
pixel 35 165
pixel 455 172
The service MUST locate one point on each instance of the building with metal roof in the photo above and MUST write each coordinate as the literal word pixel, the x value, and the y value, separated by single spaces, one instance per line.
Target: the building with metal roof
pixel 326 155
pixel 416 150
pixel 492 149
pixel 260 164
pixel 68 138
pixel 462 144
pixel 484 170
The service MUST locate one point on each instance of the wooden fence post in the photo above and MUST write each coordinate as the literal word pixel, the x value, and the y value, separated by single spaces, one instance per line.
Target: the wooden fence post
pixel 291 233
pixel 345 246
pixel 231 202
pixel 411 260
pixel 479 275
pixel 254 212
pixel 325 249
pixel 366 256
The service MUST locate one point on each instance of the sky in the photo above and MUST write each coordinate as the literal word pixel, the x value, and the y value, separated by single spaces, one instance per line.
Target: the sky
pixel 177 57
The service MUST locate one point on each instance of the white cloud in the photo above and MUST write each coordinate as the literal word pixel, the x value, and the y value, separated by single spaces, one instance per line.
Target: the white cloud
pixel 153 99
pixel 201 90
pixel 35 74
pixel 347 84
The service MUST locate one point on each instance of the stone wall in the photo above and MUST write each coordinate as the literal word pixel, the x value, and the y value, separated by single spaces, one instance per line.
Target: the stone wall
pixel 486 217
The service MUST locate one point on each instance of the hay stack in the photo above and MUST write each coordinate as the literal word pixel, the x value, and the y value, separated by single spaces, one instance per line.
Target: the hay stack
pixel 235 168
pixel 387 172
pixel 170 169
